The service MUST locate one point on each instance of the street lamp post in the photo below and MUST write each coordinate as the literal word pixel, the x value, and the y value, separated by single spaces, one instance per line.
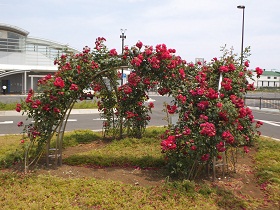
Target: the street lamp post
pixel 243 8
pixel 122 36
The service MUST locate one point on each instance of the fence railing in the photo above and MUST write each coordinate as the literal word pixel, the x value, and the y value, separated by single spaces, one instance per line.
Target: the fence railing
pixel 263 102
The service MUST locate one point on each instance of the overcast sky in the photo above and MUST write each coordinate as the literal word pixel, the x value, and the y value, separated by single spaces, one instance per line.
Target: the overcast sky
pixel 195 28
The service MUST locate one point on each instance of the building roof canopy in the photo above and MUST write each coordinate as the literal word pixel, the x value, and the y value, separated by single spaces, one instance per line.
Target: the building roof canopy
pixel 14 29
pixel 271 73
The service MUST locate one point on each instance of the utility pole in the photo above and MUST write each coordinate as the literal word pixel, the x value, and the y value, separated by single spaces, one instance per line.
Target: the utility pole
pixel 122 36
pixel 243 8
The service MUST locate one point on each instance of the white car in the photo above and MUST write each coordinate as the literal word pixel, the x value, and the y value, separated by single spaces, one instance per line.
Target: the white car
pixel 88 93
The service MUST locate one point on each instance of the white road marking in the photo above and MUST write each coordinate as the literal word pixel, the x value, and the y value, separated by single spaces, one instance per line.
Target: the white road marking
pixel 274 123
pixel 102 119
pixel 99 119
pixel 69 120
pixel 7 122
pixel 150 100
pixel 72 120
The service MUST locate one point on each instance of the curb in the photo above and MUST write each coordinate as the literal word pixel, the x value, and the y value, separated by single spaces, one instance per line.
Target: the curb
pixel 264 109
pixel 95 111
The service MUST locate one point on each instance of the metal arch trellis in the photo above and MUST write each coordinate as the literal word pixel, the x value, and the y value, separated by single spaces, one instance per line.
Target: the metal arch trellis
pixel 54 153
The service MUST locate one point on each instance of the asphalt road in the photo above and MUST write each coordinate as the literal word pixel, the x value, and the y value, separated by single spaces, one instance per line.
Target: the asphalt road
pixel 92 121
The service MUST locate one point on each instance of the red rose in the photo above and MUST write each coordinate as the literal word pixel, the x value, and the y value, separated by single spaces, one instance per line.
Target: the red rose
pixel 56 110
pixel 224 69
pixel 246 150
pixel 20 124
pixel 259 72
pixel 208 129
pixel 113 52
pixel 18 108
pixel 151 105
pixel 193 147
pixel 139 44
pixel 74 87
pixel 205 157
pixel 59 82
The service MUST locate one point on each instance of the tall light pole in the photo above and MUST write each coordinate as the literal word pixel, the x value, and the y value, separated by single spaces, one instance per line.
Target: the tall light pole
pixel 243 8
pixel 122 36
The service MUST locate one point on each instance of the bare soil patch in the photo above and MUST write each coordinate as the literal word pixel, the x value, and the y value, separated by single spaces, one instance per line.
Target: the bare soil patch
pixel 243 179
pixel 243 183
pixel 128 175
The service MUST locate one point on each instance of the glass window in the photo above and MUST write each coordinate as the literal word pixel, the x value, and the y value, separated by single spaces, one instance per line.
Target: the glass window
pixel 13 42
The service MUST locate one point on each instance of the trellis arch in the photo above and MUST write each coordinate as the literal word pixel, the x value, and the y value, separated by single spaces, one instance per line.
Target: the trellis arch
pixel 210 119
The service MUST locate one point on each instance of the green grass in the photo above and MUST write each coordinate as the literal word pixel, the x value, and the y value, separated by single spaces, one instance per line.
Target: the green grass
pixel 47 192
pixel 145 152
pixel 76 137
pixel 268 159
pixel 8 106
pixel 268 166
pixel 32 191
pixel 10 150
pixel 92 104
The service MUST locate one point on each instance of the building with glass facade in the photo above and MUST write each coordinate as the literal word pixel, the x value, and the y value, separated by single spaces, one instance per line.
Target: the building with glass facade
pixel 24 59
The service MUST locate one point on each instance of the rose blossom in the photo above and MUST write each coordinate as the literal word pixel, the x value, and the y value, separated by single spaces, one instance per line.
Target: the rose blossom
pixel 171 109
pixel 221 147
pixel 151 105
pixel 20 124
pixel 246 150
pixel 182 98
pixel 74 87
pixel 224 69
pixel 113 52
pixel 186 131
pixel 169 143
pixel 228 137
pixel 259 72
pixel 193 147
pixel 259 124
pixel 18 108
pixel 203 105
pixel 205 157
pixel 182 73
pixel 139 44
pixel 59 82
pixel 208 129
pixel 56 110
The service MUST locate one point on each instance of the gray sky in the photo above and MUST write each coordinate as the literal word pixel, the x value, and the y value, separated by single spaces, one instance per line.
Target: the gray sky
pixel 195 28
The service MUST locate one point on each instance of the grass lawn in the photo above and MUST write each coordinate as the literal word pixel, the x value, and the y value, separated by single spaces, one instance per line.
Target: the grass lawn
pixel 256 185
pixel 85 104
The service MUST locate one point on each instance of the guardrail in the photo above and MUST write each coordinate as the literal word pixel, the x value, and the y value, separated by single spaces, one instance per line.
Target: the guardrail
pixel 262 102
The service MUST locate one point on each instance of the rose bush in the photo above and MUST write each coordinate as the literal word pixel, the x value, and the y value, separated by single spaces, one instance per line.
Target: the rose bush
pixel 211 120
pixel 57 93
pixel 208 98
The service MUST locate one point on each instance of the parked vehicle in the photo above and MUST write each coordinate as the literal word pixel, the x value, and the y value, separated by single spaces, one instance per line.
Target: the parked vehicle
pixel 88 93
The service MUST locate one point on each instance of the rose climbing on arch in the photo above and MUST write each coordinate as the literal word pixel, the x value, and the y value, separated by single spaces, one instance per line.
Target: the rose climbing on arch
pixel 211 120
pixel 217 118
